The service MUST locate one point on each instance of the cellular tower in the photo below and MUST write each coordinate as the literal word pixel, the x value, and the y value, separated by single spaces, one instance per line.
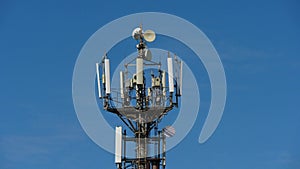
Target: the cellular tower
pixel 146 94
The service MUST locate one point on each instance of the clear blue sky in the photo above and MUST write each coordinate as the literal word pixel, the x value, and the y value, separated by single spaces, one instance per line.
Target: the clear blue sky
pixel 258 42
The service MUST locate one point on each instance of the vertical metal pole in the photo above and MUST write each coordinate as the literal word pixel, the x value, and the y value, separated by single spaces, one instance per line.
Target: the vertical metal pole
pixel 164 151
pixel 158 153
pixel 155 147
pixel 124 150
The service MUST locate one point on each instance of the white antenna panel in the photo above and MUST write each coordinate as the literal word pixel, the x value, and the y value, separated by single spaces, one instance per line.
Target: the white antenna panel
pixel 180 78
pixel 170 72
pixel 107 75
pixel 163 79
pixel 118 145
pixel 122 84
pixel 98 80
pixel 139 71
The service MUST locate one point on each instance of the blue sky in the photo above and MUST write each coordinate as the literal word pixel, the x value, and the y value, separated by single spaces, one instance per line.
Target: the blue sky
pixel 257 41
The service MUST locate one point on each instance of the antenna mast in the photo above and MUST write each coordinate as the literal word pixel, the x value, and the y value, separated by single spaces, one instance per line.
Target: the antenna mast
pixel 141 104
